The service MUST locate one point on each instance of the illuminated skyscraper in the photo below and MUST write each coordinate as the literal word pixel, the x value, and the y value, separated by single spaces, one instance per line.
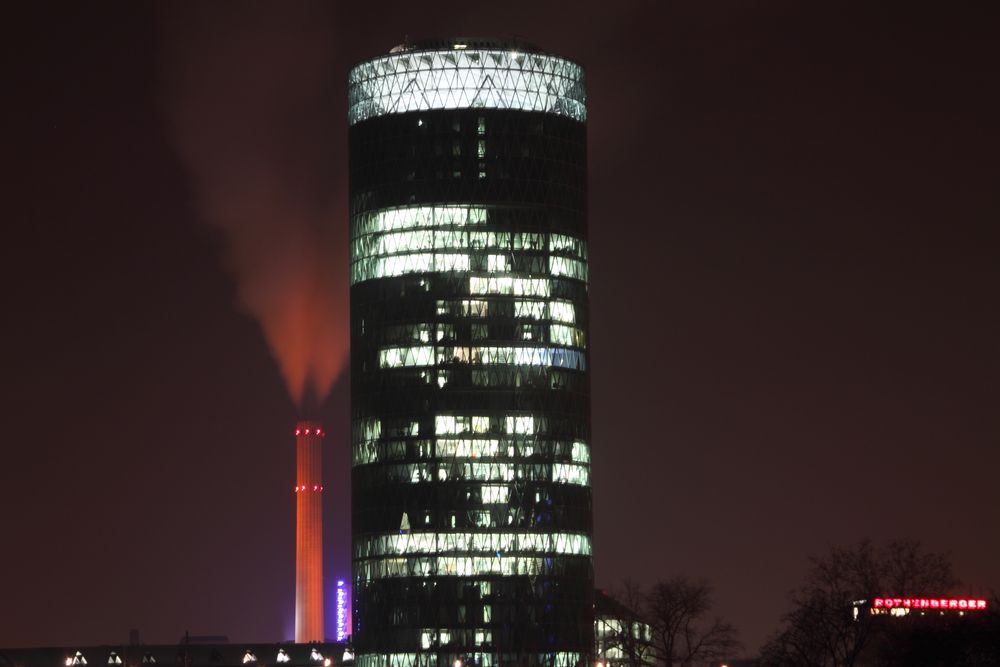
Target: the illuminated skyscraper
pixel 470 391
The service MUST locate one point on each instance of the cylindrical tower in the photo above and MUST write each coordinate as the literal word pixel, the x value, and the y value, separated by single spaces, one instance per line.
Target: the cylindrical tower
pixel 309 532
pixel 471 513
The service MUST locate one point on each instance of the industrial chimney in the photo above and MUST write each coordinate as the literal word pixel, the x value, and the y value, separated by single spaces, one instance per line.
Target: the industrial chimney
pixel 309 532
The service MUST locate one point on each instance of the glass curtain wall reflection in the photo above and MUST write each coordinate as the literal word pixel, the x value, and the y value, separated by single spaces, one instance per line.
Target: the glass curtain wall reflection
pixel 471 515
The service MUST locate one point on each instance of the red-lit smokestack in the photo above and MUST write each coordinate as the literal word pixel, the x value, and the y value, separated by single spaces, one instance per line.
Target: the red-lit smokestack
pixel 309 532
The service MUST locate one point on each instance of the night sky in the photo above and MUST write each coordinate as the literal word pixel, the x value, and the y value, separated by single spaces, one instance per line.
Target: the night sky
pixel 794 273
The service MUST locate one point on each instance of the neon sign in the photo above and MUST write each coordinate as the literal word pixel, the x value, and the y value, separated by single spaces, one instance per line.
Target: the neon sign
pixel 341 611
pixel 962 604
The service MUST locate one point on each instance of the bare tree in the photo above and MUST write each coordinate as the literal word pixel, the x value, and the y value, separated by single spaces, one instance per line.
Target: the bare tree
pixel 683 632
pixel 820 631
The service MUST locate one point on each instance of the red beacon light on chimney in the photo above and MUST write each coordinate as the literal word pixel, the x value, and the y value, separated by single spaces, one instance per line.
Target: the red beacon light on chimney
pixel 316 487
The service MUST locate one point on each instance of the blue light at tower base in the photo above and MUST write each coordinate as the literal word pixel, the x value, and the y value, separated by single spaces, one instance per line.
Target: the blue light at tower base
pixel 341 611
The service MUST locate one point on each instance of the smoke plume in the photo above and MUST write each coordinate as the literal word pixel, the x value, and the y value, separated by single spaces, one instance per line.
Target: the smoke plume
pixel 253 110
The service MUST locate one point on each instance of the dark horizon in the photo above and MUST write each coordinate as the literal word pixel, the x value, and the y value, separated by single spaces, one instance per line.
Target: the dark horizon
pixel 806 194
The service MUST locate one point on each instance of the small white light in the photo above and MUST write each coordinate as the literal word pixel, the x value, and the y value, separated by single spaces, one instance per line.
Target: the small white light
pixel 459 46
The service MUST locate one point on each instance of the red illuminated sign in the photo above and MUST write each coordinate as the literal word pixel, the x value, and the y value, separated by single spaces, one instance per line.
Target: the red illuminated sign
pixel 962 604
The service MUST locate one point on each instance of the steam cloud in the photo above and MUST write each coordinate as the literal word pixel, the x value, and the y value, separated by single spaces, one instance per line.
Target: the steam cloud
pixel 247 95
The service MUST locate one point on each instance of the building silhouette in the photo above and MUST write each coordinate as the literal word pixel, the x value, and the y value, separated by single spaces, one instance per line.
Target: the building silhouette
pixel 471 508
pixel 622 636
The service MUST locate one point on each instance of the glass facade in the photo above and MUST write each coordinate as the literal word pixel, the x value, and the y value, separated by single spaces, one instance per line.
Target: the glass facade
pixel 471 508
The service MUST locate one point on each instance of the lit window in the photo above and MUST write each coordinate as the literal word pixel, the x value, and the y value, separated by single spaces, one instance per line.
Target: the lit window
pixel 563 243
pixel 562 334
pixel 570 268
pixel 498 263
pixel 534 310
pixel 396 357
pixel 476 308
pixel 520 424
pixel 571 473
pixel 562 311
pixel 495 494
pixel 509 285
pixel 416 217
pixel 559 357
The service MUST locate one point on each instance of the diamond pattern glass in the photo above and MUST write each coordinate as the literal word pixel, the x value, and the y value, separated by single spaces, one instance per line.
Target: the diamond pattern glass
pixel 466 79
